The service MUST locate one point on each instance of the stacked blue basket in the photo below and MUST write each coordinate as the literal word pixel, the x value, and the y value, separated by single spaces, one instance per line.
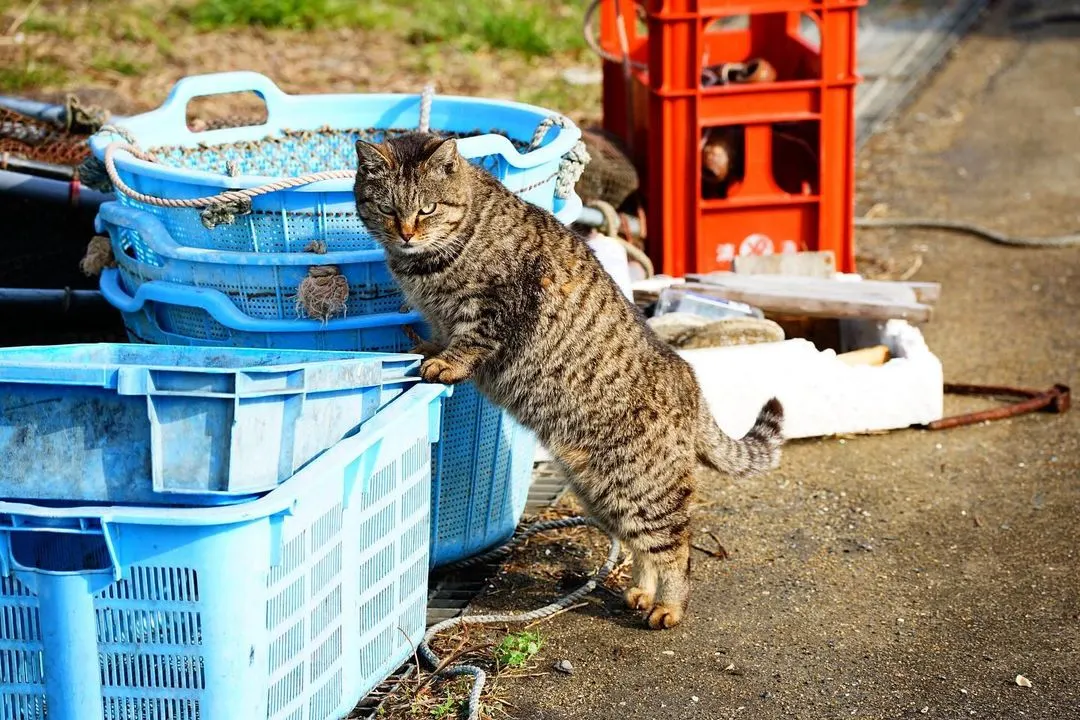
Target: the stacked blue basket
pixel 228 275
pixel 295 603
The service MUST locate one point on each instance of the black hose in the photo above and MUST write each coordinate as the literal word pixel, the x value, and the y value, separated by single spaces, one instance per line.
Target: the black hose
pixel 36 168
pixel 63 301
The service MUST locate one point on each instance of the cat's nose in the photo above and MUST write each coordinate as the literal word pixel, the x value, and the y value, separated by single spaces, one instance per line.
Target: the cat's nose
pixel 408 232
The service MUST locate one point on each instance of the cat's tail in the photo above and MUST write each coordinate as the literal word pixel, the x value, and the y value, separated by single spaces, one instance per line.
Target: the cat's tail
pixel 757 451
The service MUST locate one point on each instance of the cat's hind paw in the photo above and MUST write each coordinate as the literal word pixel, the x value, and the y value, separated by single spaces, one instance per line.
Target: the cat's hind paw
pixel 639 599
pixel 662 617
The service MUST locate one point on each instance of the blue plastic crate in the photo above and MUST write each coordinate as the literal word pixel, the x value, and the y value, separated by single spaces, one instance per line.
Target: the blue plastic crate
pixel 313 133
pixel 292 606
pixel 484 464
pixel 143 424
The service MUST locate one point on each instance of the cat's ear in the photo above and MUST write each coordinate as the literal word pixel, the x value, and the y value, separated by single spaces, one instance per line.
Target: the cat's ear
pixel 445 158
pixel 372 157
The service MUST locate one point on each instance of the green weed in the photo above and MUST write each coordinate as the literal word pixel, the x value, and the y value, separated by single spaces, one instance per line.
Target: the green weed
pixel 448 708
pixel 517 648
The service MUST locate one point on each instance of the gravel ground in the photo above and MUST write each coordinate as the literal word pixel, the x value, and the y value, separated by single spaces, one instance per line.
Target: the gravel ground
pixel 913 574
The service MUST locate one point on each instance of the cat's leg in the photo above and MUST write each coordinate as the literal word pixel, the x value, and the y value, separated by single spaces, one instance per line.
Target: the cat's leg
pixel 641 595
pixel 673 593
pixel 653 518
pixel 472 341
pixel 426 348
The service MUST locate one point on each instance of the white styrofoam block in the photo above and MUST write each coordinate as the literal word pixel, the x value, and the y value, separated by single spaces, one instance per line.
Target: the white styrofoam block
pixel 821 394
pixel 612 256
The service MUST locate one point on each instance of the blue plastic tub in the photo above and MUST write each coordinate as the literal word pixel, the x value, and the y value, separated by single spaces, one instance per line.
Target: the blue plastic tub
pixel 292 606
pixel 484 465
pixel 313 133
pixel 144 424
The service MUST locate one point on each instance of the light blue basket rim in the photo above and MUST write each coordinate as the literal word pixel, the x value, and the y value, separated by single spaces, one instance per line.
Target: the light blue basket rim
pixel 224 311
pixel 156 237
pixel 392 108
pixel 312 479
pixel 23 357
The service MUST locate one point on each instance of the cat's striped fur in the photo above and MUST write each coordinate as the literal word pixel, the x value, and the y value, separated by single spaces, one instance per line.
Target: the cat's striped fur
pixel 519 304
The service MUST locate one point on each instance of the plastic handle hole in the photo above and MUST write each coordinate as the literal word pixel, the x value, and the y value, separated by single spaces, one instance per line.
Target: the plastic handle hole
pixel 232 109
pixel 60 551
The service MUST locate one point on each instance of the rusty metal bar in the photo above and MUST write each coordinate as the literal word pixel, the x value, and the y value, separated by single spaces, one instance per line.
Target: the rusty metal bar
pixel 1055 400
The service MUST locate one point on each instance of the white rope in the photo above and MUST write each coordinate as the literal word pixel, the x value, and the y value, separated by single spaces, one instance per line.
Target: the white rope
pixel 425 108
pixel 572 164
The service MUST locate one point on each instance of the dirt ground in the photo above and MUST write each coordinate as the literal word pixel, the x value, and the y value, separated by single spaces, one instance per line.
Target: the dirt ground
pixel 913 574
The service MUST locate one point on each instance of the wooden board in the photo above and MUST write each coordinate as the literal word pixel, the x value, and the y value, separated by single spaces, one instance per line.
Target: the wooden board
pixel 831 302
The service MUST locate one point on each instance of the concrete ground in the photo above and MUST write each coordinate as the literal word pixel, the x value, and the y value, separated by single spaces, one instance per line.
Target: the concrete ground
pixel 913 574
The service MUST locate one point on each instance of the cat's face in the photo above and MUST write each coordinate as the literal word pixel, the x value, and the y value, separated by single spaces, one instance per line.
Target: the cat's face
pixel 411 192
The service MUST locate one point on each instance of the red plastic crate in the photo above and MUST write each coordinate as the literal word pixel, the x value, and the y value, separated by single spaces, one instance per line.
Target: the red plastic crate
pixel 794 188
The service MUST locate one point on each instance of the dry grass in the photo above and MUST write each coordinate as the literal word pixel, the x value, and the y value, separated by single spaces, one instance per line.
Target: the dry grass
pixel 126 54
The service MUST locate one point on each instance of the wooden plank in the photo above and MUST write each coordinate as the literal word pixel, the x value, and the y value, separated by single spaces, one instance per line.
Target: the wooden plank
pixel 923 292
pixel 800 302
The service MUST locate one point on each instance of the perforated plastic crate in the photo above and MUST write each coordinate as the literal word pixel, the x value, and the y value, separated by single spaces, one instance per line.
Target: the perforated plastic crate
pixel 142 424
pixel 484 462
pixel 290 607
pixel 315 133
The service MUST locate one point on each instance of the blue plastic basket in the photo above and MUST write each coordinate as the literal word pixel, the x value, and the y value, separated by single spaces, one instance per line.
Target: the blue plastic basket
pixel 143 424
pixel 292 606
pixel 312 133
pixel 217 296
pixel 261 285
pixel 484 465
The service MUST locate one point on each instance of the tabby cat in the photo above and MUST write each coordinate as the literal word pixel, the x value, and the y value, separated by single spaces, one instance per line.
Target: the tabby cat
pixel 519 304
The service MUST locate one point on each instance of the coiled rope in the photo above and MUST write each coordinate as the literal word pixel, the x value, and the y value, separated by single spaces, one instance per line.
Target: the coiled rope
pixel 478 674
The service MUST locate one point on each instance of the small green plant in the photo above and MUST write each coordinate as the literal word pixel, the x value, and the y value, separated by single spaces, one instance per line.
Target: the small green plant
pixel 448 708
pixel 517 648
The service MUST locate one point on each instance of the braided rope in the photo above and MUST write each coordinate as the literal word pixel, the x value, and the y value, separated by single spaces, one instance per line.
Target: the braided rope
pixel 572 164
pixel 479 676
pixel 426 97
pixel 229 196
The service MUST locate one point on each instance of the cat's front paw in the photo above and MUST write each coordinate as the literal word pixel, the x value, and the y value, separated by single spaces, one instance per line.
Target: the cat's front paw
pixel 441 370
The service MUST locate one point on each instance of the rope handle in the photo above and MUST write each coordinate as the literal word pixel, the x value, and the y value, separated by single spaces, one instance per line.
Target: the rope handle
pixel 173 111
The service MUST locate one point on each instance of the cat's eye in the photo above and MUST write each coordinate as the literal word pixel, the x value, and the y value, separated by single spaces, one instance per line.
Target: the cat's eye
pixel 428 209
pixel 384 209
